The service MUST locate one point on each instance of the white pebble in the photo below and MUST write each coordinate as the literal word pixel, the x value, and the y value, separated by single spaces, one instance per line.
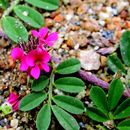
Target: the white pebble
pixel 104 15
pixel 14 123
pixel 69 16
pixel 90 60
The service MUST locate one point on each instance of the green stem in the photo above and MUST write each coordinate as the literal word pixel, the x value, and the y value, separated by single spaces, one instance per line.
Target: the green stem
pixel 12 5
pixel 28 81
pixel 50 87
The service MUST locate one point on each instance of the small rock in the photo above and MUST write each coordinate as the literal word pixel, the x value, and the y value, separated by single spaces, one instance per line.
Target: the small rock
pixel 90 60
pixel 103 61
pixel 66 2
pixel 58 18
pixel 75 3
pixel 127 24
pixel 76 47
pixel 14 123
pixel 104 15
pixel 58 43
pixel 4 43
pixel 11 62
pixel 69 16
pixel 91 25
pixel 109 124
pixel 53 14
pixel 24 119
pixel 22 78
pixel 70 43
pixel 49 22
pixel 121 5
pixel 124 14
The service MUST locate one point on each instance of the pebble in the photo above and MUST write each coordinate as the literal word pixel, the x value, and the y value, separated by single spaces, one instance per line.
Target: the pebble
pixel 58 43
pixel 124 14
pixel 14 123
pixel 49 22
pixel 108 34
pixel 70 43
pixel 58 18
pixel 90 60
pixel 91 26
pixel 76 47
pixel 68 17
pixel 75 3
pixel 103 61
pixel 81 124
pixel 121 4
pixel 66 2
pixel 104 15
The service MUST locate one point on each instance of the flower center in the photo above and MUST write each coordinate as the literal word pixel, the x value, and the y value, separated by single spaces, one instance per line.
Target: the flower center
pixel 38 62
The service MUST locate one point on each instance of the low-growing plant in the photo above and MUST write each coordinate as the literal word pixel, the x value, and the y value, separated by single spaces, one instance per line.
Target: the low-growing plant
pixel 115 63
pixel 60 105
pixel 13 27
pixel 34 57
pixel 107 108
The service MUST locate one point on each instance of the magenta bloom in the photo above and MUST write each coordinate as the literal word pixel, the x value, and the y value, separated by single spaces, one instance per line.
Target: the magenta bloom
pixel 37 60
pixel 44 37
pixel 18 54
pixel 13 101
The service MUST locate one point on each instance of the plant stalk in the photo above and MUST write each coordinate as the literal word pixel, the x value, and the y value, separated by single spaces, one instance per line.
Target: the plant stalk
pixel 11 7
pixel 50 87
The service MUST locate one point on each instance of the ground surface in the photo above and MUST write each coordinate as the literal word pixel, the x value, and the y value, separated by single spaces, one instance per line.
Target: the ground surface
pixel 89 30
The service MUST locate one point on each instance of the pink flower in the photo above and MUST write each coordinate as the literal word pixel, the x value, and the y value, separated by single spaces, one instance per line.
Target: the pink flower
pixel 44 37
pixel 18 54
pixel 37 60
pixel 13 101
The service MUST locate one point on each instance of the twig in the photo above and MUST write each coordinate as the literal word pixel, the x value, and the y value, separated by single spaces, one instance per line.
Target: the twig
pixel 12 5
pixel 88 76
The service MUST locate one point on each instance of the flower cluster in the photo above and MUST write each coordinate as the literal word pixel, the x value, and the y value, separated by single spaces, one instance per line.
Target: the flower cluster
pixel 37 58
pixel 11 104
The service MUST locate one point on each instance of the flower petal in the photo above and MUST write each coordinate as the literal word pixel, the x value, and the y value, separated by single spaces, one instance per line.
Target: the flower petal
pixel 16 106
pixel 52 36
pixel 23 65
pixel 35 33
pixel 43 32
pixel 45 56
pixel 12 98
pixel 17 53
pixel 35 72
pixel 45 67
pixel 30 58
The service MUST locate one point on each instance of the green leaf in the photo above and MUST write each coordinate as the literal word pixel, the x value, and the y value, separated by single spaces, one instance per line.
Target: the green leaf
pixel 45 4
pixel 115 92
pixel 65 119
pixel 115 64
pixel 69 66
pixel 96 114
pixel 14 29
pixel 4 4
pixel 40 84
pixel 123 110
pixel 125 47
pixel 43 118
pixel 69 103
pixel 29 15
pixel 70 84
pixel 99 99
pixel 124 125
pixel 31 101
